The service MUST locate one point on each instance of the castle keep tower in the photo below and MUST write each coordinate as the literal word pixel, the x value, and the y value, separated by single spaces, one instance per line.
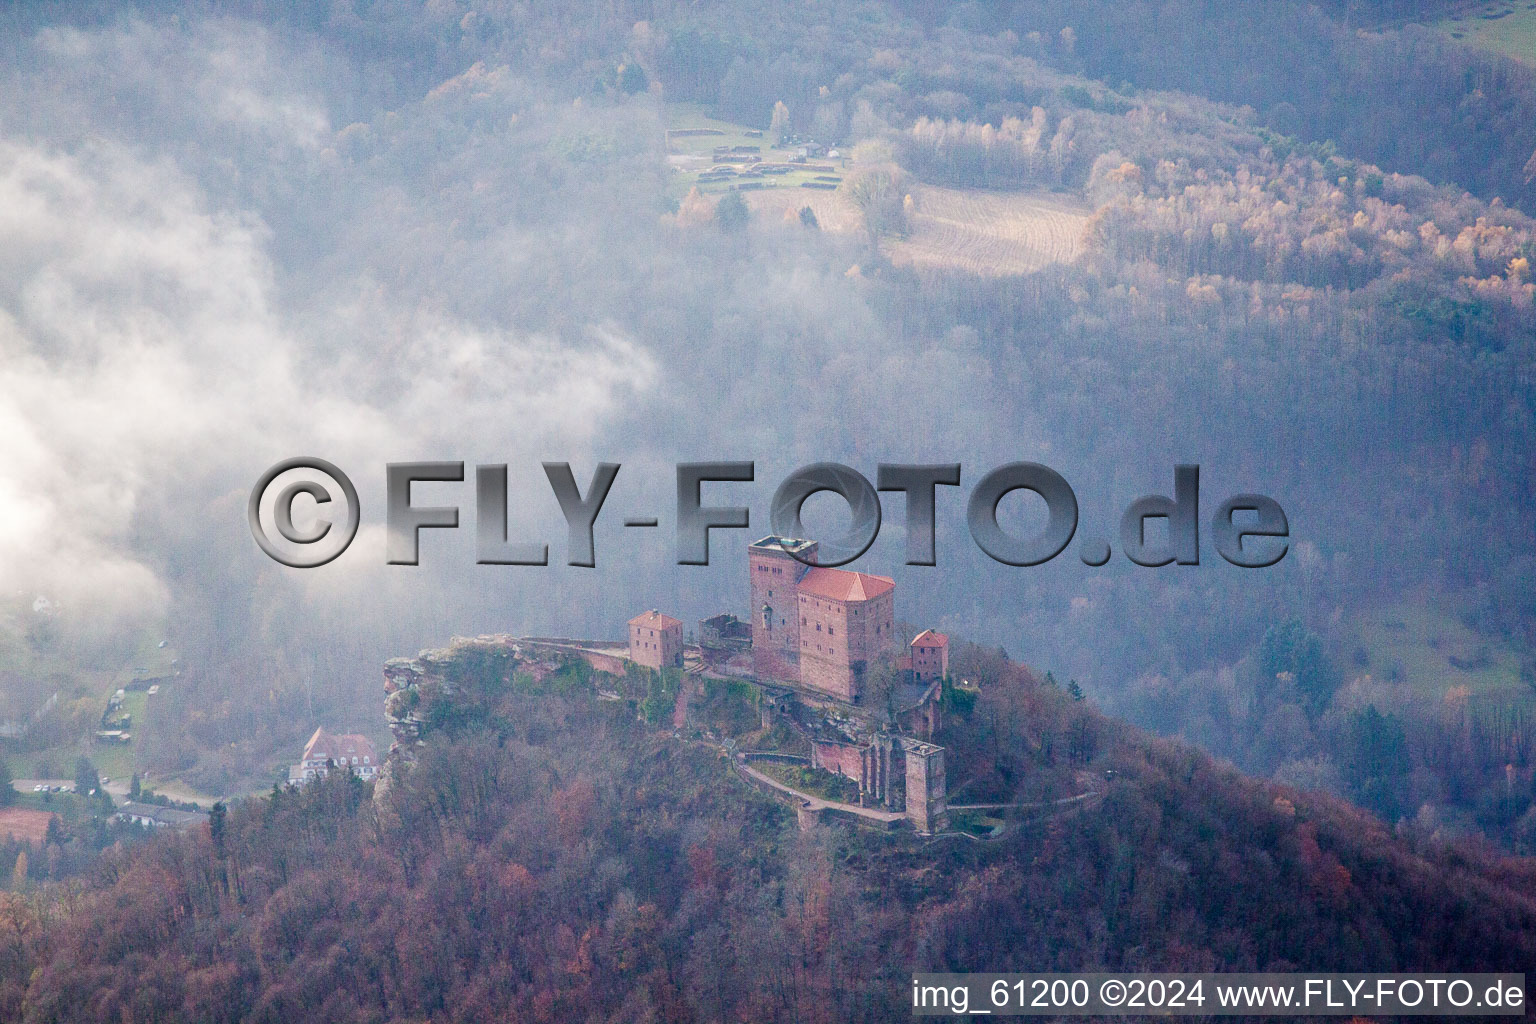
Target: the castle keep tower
pixel 775 574
pixel 847 622
pixel 815 627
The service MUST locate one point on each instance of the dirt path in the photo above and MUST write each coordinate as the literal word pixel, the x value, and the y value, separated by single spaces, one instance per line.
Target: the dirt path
pixel 816 803
pixel 692 687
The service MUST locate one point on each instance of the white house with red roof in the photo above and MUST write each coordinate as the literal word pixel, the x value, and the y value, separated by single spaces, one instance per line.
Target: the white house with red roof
pixel 325 751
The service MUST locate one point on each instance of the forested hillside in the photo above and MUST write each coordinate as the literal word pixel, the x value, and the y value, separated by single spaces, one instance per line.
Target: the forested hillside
pixel 549 852
pixel 1363 75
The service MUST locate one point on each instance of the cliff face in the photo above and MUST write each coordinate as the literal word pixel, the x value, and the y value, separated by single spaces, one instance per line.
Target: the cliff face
pixel 403 680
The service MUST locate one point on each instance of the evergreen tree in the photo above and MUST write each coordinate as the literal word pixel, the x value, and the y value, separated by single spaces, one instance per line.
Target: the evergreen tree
pixel 632 78
pixel 731 213
pixel 1291 647
pixel 86 776
pixel 217 816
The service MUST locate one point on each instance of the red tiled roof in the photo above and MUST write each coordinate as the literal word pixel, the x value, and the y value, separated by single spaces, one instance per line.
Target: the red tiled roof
pixel 341 749
pixel 654 619
pixel 842 585
pixel 928 638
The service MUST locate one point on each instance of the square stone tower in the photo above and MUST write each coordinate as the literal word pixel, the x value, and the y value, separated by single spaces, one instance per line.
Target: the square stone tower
pixel 927 800
pixel 774 573
pixel 847 622
pixel 656 640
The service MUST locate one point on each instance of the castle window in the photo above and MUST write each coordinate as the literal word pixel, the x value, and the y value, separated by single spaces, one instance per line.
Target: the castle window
pixel 830 631
pixel 818 627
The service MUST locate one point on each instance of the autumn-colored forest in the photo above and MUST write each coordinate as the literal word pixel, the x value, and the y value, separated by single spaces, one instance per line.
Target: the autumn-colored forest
pixel 550 858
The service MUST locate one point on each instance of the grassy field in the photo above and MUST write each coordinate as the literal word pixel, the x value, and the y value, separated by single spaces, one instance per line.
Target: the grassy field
pixel 987 233
pixel 118 761
pixel 990 233
pixel 112 760
pixel 1508 28
pixel 977 823
pixel 1417 645
pixel 24 823
pixel 815 781
pixel 141 658
pixel 75 680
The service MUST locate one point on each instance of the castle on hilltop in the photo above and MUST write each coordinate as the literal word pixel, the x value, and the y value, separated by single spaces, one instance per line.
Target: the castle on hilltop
pixel 821 652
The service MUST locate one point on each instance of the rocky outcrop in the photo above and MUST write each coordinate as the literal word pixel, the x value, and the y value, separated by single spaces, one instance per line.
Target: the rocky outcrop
pixel 411 688
pixel 468 679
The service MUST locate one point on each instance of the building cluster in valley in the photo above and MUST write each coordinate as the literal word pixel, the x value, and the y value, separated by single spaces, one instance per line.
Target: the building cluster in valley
pixel 823 652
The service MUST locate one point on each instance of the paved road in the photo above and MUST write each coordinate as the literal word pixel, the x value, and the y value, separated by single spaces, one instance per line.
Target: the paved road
pixel 119 790
pixel 1026 806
